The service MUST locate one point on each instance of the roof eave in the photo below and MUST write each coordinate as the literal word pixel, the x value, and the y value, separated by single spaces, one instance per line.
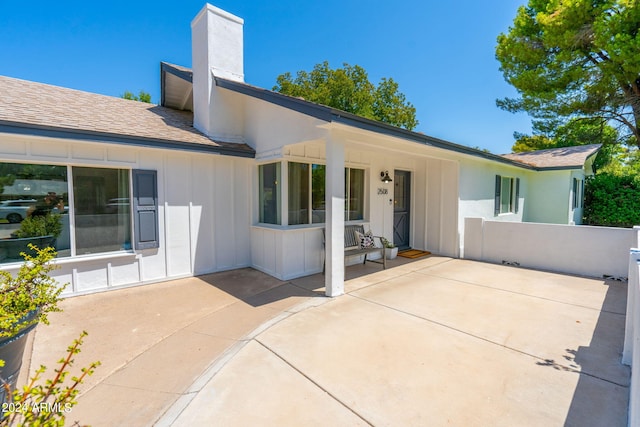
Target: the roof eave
pixel 18 128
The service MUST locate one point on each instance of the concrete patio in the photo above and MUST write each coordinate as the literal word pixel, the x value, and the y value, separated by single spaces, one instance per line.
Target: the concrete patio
pixel 434 341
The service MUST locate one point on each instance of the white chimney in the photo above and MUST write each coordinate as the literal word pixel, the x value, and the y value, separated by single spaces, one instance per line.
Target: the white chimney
pixel 217 50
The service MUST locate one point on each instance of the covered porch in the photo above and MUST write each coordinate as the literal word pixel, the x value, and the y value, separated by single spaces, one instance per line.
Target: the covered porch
pixel 308 191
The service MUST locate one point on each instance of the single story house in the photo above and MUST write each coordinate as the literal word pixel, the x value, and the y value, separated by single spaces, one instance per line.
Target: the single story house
pixel 224 175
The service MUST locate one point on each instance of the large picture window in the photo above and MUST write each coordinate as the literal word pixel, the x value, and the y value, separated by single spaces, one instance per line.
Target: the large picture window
pixel 33 209
pixel 306 195
pixel 102 216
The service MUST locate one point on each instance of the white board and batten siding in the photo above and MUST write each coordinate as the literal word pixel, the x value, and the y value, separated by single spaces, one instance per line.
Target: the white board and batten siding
pixel 204 208
pixel 287 253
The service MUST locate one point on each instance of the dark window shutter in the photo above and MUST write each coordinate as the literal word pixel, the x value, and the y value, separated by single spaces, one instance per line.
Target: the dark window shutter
pixel 497 196
pixel 517 202
pixel 145 209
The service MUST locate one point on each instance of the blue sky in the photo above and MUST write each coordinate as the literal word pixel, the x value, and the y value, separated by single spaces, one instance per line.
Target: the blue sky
pixel 440 53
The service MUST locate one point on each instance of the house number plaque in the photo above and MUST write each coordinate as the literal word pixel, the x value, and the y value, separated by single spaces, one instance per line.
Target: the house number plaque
pixel 383 191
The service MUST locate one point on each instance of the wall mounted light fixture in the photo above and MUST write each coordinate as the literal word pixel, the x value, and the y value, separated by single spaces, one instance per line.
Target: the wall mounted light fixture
pixel 384 177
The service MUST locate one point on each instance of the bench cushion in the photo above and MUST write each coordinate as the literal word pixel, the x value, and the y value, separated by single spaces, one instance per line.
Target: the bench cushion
pixel 365 240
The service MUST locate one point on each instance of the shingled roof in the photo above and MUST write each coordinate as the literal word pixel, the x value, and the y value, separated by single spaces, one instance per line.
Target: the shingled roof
pixel 557 158
pixel 30 105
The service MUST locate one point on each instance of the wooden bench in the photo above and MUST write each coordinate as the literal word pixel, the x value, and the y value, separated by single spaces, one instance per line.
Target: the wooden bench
pixel 352 246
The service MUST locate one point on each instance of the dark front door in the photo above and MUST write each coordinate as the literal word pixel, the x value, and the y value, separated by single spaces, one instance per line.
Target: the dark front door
pixel 401 208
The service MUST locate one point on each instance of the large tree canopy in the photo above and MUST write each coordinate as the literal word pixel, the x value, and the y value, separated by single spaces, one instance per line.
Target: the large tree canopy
pixel 350 90
pixel 575 58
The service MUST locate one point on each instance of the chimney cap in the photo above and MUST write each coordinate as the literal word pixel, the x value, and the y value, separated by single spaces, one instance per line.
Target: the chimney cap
pixel 217 11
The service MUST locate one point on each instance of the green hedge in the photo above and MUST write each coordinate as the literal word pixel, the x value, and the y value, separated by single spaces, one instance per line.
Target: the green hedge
pixel 612 200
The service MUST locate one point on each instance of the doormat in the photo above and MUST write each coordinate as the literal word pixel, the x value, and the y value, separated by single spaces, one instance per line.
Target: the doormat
pixel 413 253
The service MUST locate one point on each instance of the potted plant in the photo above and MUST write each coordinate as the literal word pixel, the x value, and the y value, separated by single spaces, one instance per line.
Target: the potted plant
pixel 40 225
pixel 40 230
pixel 392 250
pixel 25 300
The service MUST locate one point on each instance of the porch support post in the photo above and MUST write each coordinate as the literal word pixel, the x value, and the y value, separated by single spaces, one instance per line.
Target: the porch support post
pixel 334 217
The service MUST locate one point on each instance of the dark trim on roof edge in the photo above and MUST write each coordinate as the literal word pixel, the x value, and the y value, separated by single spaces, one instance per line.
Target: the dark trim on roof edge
pixel 85 135
pixel 166 68
pixel 383 128
pixel 548 168
pixel 169 68
pixel 595 153
pixel 328 114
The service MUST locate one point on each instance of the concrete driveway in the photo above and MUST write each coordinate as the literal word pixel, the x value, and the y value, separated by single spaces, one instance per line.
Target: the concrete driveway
pixel 436 342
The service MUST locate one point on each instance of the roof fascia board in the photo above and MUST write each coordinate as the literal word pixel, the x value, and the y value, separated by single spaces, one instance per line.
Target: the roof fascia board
pixel 165 69
pixel 184 75
pixel 558 168
pixel 385 129
pixel 84 135
pixel 595 152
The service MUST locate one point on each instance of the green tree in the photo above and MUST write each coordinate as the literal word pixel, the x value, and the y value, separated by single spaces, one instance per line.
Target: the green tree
pixel 576 131
pixel 142 96
pixel 350 90
pixel 531 142
pixel 575 58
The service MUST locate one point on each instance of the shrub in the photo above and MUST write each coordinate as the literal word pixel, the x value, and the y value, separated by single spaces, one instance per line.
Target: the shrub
pixel 41 225
pixel 612 200
pixel 47 404
pixel 31 289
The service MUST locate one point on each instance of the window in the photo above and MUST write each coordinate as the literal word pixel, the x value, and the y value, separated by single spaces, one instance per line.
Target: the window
pixel 318 173
pixel 307 193
pixel 578 193
pixel 507 194
pixel 298 193
pixel 269 177
pixel 33 209
pixel 354 194
pixel 101 210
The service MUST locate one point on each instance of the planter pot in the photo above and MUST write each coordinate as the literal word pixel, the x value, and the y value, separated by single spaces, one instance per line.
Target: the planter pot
pixel 10 248
pixel 11 351
pixel 391 253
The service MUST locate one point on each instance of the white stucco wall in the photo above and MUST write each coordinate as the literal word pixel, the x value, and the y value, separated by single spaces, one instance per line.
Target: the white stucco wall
pixel 477 189
pixel 477 193
pixel 204 211
pixel 581 250
pixel 549 197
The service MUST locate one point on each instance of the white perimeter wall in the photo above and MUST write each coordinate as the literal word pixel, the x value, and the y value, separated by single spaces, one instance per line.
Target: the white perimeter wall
pixel 573 249
pixel 631 353
pixel 204 211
